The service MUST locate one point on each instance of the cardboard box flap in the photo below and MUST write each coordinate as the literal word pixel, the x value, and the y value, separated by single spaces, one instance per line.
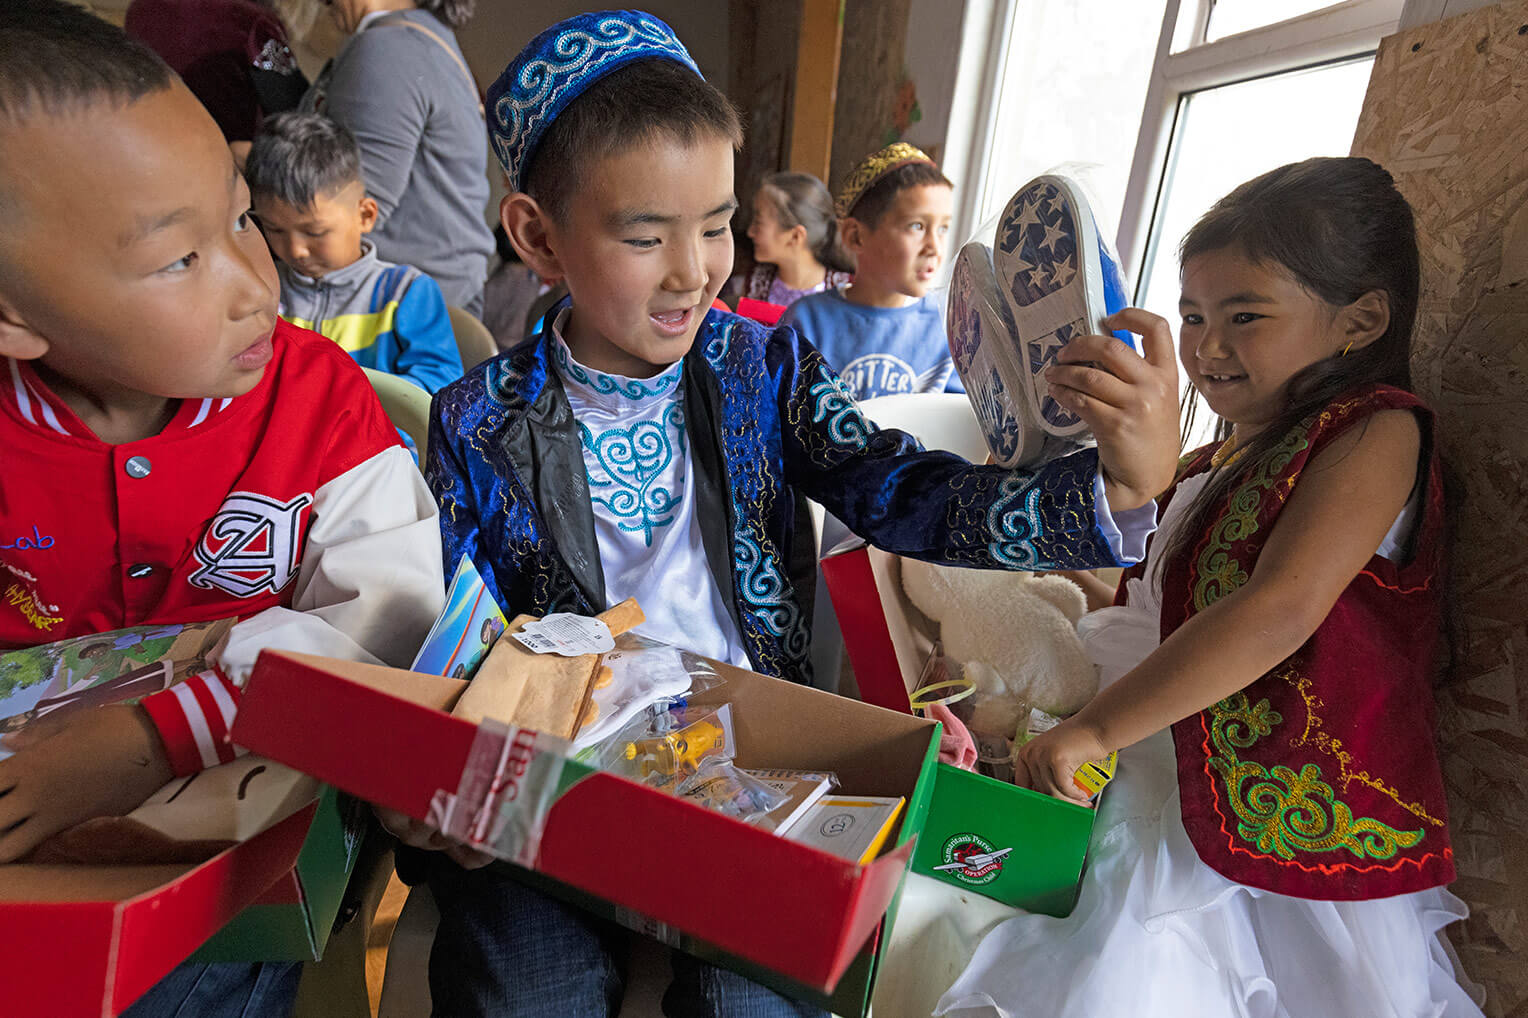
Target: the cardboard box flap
pixel 873 751
pixel 876 889
pixel 358 704
pixel 25 882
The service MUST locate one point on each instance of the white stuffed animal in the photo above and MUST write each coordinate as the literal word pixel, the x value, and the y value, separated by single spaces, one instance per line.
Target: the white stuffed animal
pixel 1013 634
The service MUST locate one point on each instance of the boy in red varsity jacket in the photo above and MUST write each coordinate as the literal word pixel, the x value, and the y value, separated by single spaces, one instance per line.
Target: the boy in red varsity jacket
pixel 172 451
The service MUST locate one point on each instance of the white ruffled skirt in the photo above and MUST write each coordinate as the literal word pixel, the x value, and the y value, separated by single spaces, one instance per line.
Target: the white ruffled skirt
pixel 1156 932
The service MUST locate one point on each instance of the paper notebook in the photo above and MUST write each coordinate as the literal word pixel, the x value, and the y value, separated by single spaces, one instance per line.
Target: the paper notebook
pixel 849 827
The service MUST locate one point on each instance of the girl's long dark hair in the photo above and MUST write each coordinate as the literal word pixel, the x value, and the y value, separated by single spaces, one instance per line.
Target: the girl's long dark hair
pixel 800 199
pixel 1339 228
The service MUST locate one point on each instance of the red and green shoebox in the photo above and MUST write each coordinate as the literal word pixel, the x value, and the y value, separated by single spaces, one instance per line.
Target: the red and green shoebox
pixel 803 921
pixel 999 840
pixel 89 940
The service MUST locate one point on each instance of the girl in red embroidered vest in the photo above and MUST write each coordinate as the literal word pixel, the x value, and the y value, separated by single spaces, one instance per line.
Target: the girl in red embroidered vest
pixel 1275 843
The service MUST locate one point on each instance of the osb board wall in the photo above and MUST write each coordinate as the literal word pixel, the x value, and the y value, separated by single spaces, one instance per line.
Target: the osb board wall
pixel 1447 113
pixel 869 69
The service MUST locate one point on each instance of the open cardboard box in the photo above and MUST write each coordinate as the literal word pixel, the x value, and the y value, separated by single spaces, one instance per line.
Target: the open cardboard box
pixel 89 940
pixel 1011 844
pixel 788 915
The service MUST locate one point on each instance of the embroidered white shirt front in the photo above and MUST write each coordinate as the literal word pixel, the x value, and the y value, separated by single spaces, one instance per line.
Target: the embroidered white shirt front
pixel 641 483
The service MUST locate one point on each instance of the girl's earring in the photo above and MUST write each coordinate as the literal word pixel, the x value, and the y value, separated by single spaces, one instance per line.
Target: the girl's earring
pixel 1345 350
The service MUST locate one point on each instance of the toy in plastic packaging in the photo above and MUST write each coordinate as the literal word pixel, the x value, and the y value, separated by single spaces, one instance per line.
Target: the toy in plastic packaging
pixel 637 674
pixel 673 746
pixel 719 785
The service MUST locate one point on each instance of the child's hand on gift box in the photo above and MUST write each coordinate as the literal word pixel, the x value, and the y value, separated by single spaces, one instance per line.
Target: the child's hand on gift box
pixel 1047 762
pixel 1129 402
pixel 418 834
pixel 101 762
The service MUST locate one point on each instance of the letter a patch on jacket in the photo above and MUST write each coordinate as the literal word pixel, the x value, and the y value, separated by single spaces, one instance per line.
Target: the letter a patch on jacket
pixel 251 545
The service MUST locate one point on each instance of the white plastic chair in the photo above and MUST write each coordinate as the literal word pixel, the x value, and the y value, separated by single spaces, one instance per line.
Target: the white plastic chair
pixel 406 405
pixel 940 420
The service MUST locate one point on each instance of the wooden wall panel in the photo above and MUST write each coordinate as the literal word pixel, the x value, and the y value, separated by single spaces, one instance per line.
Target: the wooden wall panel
pixel 1447 114
pixel 870 66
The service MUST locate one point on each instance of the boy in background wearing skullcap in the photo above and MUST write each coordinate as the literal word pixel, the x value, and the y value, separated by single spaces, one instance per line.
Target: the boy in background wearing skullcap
pixel 882 332
pixel 619 159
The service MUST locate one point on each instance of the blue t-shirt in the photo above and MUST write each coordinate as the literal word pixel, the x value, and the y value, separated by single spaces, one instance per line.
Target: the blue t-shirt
pixel 878 351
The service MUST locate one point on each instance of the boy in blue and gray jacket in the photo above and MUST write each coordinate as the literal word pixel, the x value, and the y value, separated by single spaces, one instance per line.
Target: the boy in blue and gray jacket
pixel 304 174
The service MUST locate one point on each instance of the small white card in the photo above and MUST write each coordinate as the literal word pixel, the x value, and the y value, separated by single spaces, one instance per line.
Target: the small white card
pixel 566 634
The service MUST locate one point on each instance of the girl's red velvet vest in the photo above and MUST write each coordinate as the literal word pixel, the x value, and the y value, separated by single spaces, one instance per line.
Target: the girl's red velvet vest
pixel 1321 778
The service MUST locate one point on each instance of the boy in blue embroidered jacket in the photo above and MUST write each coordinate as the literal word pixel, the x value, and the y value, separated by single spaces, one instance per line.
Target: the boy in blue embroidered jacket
pixel 304 175
pixel 642 444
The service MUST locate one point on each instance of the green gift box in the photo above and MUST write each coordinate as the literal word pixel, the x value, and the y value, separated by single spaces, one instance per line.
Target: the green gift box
pixel 293 919
pixel 982 835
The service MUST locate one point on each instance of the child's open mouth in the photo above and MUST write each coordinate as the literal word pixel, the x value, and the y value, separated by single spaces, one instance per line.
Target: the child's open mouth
pixel 672 322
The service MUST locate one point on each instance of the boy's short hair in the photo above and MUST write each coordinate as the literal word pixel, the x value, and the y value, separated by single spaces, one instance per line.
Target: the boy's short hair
pixel 57 56
pixel 642 101
pixel 297 157
pixel 872 205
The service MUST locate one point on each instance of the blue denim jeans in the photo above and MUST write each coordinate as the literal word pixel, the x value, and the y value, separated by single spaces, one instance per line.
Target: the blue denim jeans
pixel 225 990
pixel 506 951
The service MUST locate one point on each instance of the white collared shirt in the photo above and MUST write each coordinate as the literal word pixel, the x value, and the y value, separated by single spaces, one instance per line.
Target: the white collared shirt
pixel 642 486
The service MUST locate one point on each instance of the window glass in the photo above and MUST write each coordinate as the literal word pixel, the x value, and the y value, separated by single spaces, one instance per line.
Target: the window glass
pixel 1073 88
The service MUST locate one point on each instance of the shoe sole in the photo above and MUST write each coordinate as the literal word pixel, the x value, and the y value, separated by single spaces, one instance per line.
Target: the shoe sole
pixel 977 325
pixel 1053 295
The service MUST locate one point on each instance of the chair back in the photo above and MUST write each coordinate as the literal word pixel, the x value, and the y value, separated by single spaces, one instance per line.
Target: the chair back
pixel 473 340
pixel 940 420
pixel 406 405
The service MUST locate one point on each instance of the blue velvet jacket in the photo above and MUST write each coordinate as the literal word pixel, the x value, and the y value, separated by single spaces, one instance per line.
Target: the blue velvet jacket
pixel 769 422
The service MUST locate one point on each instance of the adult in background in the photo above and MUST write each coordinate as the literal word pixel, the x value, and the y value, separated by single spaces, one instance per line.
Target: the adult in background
pixel 232 55
pixel 402 87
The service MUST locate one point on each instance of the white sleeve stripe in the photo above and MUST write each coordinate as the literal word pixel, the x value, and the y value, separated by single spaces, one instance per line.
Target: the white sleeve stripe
pixel 220 696
pixel 198 724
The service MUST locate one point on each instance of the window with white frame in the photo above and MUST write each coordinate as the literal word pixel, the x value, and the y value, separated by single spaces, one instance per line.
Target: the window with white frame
pixel 1237 88
pixel 1164 106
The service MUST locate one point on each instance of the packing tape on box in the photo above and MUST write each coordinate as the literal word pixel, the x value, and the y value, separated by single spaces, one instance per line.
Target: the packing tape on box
pixel 507 787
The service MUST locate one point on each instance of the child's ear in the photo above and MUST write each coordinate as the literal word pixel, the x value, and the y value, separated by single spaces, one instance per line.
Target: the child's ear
pixel 17 338
pixel 1366 319
pixel 369 213
pixel 851 232
pixel 797 236
pixel 530 229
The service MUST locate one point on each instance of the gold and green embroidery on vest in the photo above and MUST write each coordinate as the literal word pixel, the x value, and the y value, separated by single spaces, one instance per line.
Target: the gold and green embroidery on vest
pixel 1280 811
pixel 1283 812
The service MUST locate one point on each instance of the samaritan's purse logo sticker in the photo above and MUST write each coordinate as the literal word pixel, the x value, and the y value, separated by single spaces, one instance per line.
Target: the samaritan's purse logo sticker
pixel 971 859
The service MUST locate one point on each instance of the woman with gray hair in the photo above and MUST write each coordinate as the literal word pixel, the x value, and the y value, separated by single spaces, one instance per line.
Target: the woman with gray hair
pixel 402 87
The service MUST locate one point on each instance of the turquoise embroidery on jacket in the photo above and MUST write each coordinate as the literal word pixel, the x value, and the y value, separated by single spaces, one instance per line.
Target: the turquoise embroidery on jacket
pixel 833 402
pixel 768 595
pixel 1014 524
pixel 633 461
pixel 631 388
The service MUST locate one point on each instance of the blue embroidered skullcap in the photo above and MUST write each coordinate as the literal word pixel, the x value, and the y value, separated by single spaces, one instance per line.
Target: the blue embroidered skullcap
pixel 556 67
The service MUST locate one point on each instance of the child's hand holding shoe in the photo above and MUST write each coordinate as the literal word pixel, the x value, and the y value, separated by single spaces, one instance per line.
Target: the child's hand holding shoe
pixel 1130 403
pixel 104 762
